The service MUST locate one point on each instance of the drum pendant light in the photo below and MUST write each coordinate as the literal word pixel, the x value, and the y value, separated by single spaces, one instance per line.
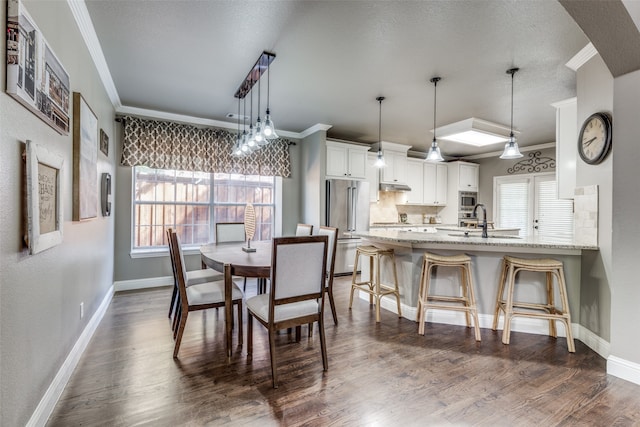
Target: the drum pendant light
pixel 511 150
pixel 380 163
pixel 434 152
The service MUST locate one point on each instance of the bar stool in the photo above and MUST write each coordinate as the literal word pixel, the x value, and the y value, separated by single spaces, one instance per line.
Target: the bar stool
pixel 511 266
pixel 467 299
pixel 373 286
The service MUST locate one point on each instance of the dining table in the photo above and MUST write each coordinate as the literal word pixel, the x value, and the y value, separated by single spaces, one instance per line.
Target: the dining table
pixel 231 260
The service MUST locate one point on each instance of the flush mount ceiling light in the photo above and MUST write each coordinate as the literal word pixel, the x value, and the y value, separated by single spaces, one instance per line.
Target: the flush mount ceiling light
pixel 476 132
pixel 434 152
pixel 380 159
pixel 511 150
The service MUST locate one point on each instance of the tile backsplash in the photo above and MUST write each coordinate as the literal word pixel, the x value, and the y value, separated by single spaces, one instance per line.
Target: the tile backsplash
pixel 585 215
pixel 390 205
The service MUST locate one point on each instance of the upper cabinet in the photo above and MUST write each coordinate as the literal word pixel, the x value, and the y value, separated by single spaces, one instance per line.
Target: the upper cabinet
pixel 566 137
pixel 346 161
pixel 467 176
pixel 435 176
pixel 415 181
pixel 395 157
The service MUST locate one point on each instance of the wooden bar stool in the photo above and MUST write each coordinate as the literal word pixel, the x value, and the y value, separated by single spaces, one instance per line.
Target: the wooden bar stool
pixel 511 266
pixel 441 302
pixel 373 286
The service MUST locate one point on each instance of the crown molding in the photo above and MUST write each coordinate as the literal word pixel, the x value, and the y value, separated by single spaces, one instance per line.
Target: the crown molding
pixel 497 153
pixel 313 129
pixel 88 32
pixel 565 102
pixel 581 58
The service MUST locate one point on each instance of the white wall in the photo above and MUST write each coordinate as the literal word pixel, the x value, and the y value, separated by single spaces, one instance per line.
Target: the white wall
pixel 40 294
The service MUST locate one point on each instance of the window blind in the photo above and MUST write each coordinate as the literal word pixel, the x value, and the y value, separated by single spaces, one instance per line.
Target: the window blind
pixel 513 205
pixel 554 216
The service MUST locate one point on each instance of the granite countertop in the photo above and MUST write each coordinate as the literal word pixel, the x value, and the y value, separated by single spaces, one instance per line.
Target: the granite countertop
pixel 446 227
pixel 443 237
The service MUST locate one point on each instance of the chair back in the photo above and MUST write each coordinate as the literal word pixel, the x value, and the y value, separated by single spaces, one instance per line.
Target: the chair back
pixel 173 263
pixel 230 232
pixel 180 271
pixel 304 230
pixel 298 268
pixel 332 244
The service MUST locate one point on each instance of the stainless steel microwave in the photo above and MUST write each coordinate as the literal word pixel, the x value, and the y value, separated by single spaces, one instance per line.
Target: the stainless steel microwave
pixel 467 200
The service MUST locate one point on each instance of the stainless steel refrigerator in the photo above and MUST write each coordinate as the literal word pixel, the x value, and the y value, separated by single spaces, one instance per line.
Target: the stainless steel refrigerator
pixel 347 208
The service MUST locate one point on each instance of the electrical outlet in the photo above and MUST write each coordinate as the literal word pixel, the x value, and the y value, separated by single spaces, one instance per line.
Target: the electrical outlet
pixel 81 310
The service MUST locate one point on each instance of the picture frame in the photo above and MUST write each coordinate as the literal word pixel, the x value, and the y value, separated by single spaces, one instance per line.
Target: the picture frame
pixel 85 159
pixel 104 142
pixel 44 198
pixel 35 76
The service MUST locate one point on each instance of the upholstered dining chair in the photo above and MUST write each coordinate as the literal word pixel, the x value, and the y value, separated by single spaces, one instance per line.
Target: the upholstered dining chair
pixel 194 277
pixel 304 230
pixel 332 244
pixel 296 294
pixel 227 232
pixel 199 297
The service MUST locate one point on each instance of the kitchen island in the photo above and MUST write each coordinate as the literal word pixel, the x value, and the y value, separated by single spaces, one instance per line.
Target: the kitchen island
pixel 486 256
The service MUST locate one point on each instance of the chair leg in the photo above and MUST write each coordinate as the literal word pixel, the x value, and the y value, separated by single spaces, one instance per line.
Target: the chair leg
pixel 395 284
pixel 550 301
pixel 240 339
pixel 298 333
pixel 353 279
pixel 501 283
pixel 183 321
pixel 508 307
pixel 472 302
pixel 244 287
pixel 465 293
pixel 310 330
pixel 249 334
pixel 333 307
pixel 565 309
pixel 272 352
pixel 323 344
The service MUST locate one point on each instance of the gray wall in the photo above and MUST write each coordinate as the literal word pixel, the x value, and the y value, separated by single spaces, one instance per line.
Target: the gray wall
pixel 595 93
pixel 312 194
pixel 625 295
pixel 40 294
pixel 495 166
pixel 127 268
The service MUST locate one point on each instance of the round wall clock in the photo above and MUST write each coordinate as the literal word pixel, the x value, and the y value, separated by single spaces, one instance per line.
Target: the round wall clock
pixel 594 142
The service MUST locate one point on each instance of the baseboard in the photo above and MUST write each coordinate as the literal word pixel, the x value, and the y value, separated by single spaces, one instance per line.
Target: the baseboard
pixel 53 393
pixel 518 324
pixel 153 282
pixel 624 369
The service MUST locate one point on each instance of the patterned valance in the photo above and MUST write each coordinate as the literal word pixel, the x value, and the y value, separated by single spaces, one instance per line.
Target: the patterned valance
pixel 168 145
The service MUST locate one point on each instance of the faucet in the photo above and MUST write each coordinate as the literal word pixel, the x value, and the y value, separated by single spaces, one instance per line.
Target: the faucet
pixel 484 218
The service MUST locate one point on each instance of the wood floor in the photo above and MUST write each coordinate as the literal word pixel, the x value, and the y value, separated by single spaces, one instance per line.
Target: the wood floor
pixel 379 374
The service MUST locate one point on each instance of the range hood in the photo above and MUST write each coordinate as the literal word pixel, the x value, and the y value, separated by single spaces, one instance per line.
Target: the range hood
pixel 394 187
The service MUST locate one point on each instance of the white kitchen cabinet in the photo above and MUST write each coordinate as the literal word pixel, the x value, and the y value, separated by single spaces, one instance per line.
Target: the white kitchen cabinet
pixel 395 171
pixel 468 177
pixel 415 180
pixel 373 177
pixel 566 137
pixel 346 161
pixel 435 178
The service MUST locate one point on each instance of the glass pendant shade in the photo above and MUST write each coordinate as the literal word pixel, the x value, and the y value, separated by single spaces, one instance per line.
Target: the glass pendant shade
pixel 259 136
pixel 269 130
pixel 379 163
pixel 511 150
pixel 434 153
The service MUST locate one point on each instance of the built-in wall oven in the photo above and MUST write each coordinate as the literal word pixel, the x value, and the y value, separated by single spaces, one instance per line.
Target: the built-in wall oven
pixel 466 201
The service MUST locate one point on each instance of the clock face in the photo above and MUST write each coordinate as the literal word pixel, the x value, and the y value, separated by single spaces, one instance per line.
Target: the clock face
pixel 594 142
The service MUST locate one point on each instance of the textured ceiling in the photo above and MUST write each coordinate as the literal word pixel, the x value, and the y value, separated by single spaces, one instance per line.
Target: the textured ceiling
pixel 334 58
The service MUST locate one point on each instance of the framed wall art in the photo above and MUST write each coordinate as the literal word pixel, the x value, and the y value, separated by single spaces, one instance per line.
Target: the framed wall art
pixel 104 143
pixel 35 76
pixel 85 159
pixel 44 198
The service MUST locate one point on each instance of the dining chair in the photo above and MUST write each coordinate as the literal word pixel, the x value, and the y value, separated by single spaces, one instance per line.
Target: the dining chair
pixel 227 232
pixel 304 230
pixel 332 244
pixel 296 294
pixel 199 297
pixel 194 277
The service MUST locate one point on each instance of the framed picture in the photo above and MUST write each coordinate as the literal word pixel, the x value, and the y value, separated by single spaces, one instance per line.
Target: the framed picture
pixel 104 143
pixel 85 159
pixel 35 76
pixel 44 198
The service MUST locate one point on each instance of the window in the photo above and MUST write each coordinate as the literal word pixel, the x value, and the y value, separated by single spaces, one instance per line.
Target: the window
pixel 192 202
pixel 530 203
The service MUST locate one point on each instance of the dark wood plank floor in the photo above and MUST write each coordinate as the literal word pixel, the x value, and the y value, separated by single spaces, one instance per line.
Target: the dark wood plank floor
pixel 379 374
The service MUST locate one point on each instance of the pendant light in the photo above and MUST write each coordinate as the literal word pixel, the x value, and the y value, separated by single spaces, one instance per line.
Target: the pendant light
pixel 511 150
pixel 237 150
pixel 269 130
pixel 380 163
pixel 434 152
pixel 259 136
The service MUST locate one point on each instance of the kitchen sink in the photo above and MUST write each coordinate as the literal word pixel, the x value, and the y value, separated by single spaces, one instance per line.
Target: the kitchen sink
pixel 478 236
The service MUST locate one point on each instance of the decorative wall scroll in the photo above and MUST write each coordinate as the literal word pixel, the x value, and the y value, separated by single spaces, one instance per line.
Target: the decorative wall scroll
pixel 44 198
pixel 85 159
pixel 35 76
pixel 535 163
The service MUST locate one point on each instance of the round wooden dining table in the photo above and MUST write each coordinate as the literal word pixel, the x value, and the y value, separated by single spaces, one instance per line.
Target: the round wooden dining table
pixel 230 259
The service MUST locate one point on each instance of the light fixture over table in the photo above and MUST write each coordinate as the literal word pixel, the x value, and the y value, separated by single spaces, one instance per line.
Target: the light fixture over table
pixel 511 150
pixel 380 159
pixel 434 152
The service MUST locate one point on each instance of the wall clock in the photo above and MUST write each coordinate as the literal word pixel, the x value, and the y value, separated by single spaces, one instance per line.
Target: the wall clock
pixel 594 142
